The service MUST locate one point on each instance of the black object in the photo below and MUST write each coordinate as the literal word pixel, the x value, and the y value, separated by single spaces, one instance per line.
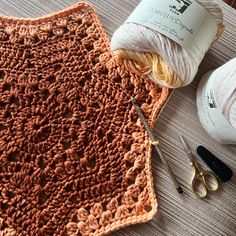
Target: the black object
pixel 180 190
pixel 221 170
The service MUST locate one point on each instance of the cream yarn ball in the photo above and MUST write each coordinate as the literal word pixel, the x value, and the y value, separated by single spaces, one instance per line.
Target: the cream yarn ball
pixel 225 90
pixel 146 51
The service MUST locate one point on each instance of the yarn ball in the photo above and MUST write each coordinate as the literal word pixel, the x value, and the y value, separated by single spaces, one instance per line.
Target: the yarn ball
pixel 225 90
pixel 146 51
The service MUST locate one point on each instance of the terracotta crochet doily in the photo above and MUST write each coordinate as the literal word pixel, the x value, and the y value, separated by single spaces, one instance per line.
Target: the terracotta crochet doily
pixel 75 159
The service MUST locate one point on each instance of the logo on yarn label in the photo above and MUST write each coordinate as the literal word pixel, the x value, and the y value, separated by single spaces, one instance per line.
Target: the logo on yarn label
pixel 210 115
pixel 180 6
pixel 186 22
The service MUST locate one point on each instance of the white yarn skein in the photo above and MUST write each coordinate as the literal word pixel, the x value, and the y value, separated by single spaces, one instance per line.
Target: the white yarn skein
pixel 225 90
pixel 138 38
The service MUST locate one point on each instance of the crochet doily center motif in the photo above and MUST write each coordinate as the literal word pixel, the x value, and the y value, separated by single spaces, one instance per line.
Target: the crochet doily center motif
pixel 75 159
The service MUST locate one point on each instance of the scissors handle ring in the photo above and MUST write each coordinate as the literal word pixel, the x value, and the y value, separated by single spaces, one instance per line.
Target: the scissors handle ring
pixel 198 185
pixel 210 181
pixel 203 181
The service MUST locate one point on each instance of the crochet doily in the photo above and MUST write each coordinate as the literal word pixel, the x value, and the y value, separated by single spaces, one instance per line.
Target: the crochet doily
pixel 75 159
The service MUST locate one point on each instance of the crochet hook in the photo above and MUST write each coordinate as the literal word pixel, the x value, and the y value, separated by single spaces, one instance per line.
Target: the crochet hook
pixel 155 144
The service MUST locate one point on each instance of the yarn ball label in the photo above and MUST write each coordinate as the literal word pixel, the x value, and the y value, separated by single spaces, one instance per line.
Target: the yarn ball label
pixel 210 115
pixel 184 21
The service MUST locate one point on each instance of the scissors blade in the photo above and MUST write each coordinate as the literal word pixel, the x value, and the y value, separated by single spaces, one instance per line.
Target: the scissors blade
pixel 186 148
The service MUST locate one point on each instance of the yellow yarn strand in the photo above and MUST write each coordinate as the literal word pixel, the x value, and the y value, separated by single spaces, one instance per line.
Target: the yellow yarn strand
pixel 149 64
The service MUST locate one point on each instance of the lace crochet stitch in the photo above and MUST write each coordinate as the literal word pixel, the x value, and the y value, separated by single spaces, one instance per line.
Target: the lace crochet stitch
pixel 75 159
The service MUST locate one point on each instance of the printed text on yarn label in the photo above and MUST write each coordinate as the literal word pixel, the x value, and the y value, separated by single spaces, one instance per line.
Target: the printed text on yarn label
pixel 184 21
pixel 210 115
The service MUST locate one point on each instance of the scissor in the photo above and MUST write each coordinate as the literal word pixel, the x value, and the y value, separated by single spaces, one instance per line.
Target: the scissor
pixel 202 180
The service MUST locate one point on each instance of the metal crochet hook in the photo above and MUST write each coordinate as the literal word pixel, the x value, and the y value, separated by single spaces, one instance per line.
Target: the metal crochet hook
pixel 202 180
pixel 155 144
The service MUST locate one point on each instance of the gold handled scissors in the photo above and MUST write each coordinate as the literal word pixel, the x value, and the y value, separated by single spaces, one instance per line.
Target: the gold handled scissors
pixel 202 180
